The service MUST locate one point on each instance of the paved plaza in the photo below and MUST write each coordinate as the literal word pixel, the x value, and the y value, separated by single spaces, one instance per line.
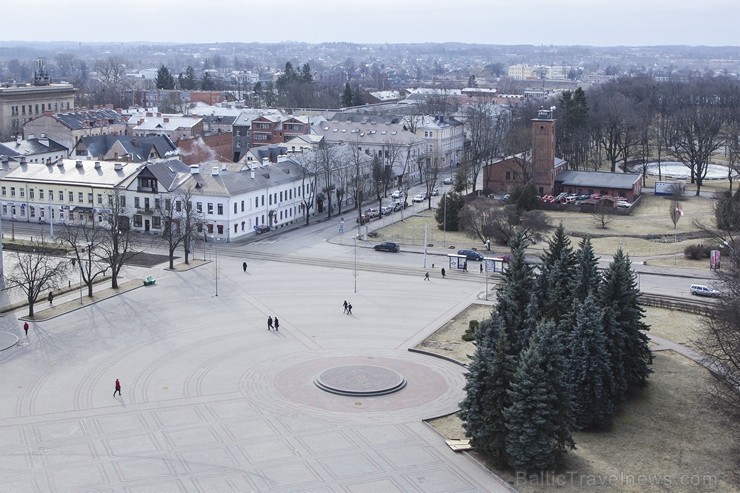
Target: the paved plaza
pixel 213 401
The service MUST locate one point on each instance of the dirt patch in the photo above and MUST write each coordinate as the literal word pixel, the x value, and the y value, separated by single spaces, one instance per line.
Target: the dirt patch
pixel 668 437
pixel 143 259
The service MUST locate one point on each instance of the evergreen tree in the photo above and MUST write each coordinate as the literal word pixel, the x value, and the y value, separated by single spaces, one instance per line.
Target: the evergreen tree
pixel 189 82
pixel 448 211
pixel 556 271
pixel 589 373
pixel 347 95
pixel 207 83
pixel 164 80
pixel 587 278
pixel 617 390
pixel 488 381
pixel 538 419
pixel 514 294
pixel 619 291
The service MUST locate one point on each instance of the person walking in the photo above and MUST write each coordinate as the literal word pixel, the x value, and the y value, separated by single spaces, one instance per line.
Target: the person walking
pixel 465 266
pixel 244 266
pixel 349 308
pixel 50 298
pixel 25 328
pixel 269 323
pixel 443 272
pixel 277 324
pixel 345 306
pixel 426 276
pixel 481 267
pixel 118 388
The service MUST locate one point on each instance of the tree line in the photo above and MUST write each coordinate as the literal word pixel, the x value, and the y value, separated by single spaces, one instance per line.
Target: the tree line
pixel 564 348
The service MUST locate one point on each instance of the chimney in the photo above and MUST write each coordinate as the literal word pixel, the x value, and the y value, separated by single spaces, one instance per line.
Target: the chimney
pixel 214 171
pixel 118 167
pixel 166 119
pixel 194 169
pixel 23 160
pixel 97 164
pixel 78 164
pixel 265 161
pixel 251 172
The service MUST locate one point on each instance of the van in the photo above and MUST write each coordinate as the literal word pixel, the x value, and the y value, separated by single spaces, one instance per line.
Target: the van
pixel 703 290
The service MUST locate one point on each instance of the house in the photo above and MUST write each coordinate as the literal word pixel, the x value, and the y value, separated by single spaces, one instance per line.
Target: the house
pixel 69 127
pixel 276 129
pixel 622 185
pixel 444 137
pixel 34 150
pixel 176 127
pixel 125 147
pixel 539 166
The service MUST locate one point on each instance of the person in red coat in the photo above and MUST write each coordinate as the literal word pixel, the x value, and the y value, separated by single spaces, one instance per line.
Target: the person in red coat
pixel 118 388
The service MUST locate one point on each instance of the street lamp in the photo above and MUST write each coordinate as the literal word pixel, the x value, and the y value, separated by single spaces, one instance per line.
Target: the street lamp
pixel 355 264
pixel 215 248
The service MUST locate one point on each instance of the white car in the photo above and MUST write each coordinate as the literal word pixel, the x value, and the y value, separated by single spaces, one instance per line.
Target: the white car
pixel 419 198
pixel 396 194
pixel 623 204
pixel 447 181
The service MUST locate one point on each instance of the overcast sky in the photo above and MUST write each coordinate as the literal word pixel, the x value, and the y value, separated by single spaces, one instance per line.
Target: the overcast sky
pixel 536 22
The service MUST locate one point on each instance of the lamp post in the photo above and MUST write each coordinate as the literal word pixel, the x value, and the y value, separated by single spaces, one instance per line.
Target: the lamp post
pixel 355 264
pixel 215 248
pixel 51 221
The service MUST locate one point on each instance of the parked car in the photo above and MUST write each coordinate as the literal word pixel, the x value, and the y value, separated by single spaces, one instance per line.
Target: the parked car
pixel 435 191
pixel 703 290
pixel 396 206
pixel 419 198
pixel 396 194
pixel 470 255
pixel 560 197
pixel 362 219
pixel 372 213
pixel 261 228
pixel 623 204
pixel 447 181
pixel 387 246
pixel 547 199
pixel 505 198
pixel 387 209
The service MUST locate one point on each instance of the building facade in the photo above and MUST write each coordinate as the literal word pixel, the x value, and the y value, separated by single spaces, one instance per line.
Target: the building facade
pixel 20 104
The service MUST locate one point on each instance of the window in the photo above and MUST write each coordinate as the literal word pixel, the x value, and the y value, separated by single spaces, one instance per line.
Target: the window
pixel 22 192
pixel 32 210
pixel 236 228
pixel 269 199
pixel 156 222
pixel 199 207
pixel 263 200
pixel 242 206
pixel 157 204
pixel 508 175
pixel 100 199
pixel 81 197
pixel 137 202
pixel 234 207
pixel 12 191
pixel 281 195
pixel 220 209
pixel 178 205
pixel 123 201
pixel 41 194
pixel 61 196
pixel 210 208
pixel 137 220
pixel 146 203
pixel 3 191
pixel 30 193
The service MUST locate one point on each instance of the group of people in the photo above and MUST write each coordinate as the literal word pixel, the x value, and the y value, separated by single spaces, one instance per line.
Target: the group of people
pixel 347 307
pixel 273 323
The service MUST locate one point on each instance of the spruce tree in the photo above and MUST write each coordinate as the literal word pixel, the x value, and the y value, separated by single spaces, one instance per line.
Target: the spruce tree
pixel 589 371
pixel 619 292
pixel 555 273
pixel 488 381
pixel 347 95
pixel 538 420
pixel 514 294
pixel 617 391
pixel 587 277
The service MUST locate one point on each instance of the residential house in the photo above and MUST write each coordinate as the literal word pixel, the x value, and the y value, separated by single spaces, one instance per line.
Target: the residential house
pixel 34 150
pixel 444 138
pixel 68 128
pixel 125 148
pixel 176 127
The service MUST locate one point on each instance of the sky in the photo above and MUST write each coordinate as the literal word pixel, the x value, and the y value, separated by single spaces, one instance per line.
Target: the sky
pixel 503 22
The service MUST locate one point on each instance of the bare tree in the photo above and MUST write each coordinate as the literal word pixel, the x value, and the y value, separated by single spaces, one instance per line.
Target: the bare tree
pixel 611 118
pixel 484 218
pixel 486 127
pixel 180 222
pixel 36 270
pixel 308 163
pixel 84 239
pixel 327 175
pixel 118 242
pixel 603 214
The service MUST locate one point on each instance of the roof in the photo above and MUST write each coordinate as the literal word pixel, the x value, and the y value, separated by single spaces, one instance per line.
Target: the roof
pixel 368 133
pixel 170 173
pixel 28 147
pixel 78 120
pixel 228 182
pixel 138 148
pixel 101 174
pixel 166 123
pixel 598 179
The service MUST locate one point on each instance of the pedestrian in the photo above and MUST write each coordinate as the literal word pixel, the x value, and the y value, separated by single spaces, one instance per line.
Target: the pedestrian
pixel 50 298
pixel 488 245
pixel 269 323
pixel 244 266
pixel 349 308
pixel 25 328
pixel 345 306
pixel 277 324
pixel 432 266
pixel 118 388
pixel 426 276
pixel 481 267
pixel 443 272
pixel 465 266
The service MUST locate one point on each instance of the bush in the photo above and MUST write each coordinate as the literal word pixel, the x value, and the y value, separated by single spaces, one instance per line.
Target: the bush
pixel 697 252
pixel 469 334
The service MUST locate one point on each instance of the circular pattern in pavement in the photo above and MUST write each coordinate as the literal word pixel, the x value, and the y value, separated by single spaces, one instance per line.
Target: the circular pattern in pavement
pixel 7 340
pixel 360 380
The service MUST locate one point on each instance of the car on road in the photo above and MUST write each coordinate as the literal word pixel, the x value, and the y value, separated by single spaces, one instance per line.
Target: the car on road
pixel 362 219
pixel 387 209
pixel 435 191
pixel 387 246
pixel 396 194
pixel 703 290
pixel 372 213
pixel 447 181
pixel 261 228
pixel 419 197
pixel 471 255
pixel 623 204
pixel 396 206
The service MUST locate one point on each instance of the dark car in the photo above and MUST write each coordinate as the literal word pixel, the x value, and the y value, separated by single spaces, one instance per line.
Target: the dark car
pixel 387 246
pixel 261 228
pixel 470 255
pixel 362 219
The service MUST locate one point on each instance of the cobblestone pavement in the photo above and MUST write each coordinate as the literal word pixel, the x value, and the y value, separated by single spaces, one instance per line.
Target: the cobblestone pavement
pixel 213 401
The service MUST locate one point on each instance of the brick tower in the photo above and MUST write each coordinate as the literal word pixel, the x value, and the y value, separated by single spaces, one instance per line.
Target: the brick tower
pixel 543 151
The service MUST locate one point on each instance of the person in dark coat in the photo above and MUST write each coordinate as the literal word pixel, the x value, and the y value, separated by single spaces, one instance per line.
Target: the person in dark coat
pixel 244 266
pixel 349 308
pixel 426 276
pixel 269 323
pixel 25 328
pixel 465 266
pixel 481 268
pixel 50 298
pixel 345 306
pixel 277 324
pixel 118 388
pixel 443 272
